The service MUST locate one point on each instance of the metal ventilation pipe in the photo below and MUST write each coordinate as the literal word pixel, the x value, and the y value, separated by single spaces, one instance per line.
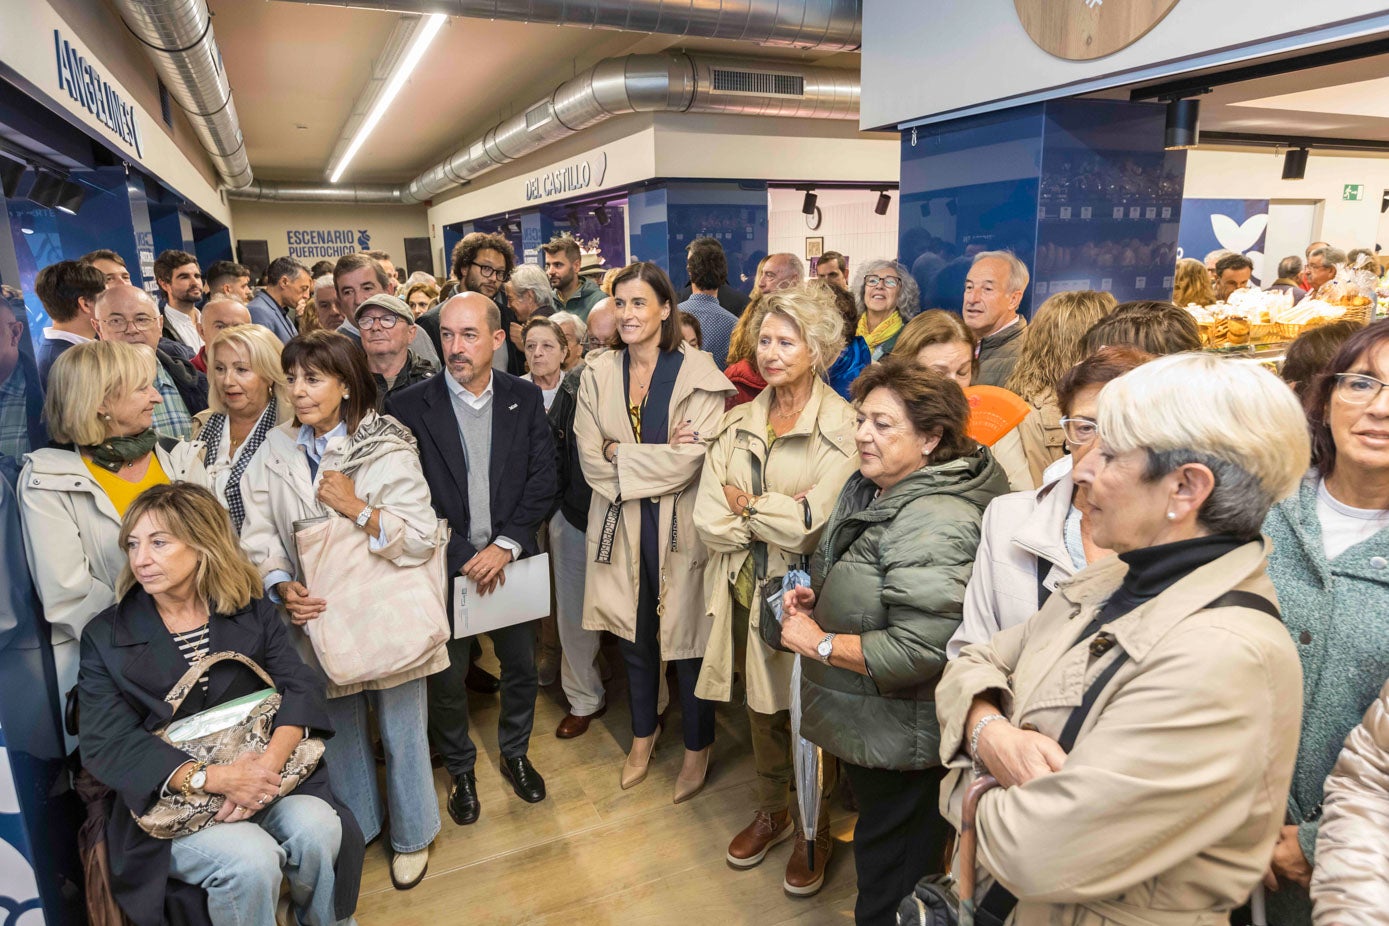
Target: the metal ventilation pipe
pixel 177 34
pixel 615 87
pixel 362 194
pixel 826 24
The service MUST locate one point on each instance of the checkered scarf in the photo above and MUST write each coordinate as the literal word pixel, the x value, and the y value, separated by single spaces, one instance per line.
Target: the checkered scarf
pixel 213 430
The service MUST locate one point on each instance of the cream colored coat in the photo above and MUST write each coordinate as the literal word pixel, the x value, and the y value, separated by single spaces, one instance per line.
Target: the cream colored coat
pixel 814 457
pixel 660 471
pixel 71 537
pixel 1167 810
pixel 279 489
pixel 1350 884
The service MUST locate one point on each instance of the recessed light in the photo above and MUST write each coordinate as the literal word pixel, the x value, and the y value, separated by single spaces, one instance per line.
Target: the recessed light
pixel 27 231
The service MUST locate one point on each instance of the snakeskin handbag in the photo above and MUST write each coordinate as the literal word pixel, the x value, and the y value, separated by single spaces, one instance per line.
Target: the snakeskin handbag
pixel 227 739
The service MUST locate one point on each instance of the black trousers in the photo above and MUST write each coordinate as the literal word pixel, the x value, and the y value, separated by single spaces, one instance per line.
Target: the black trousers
pixel 643 660
pixel 900 837
pixel 448 698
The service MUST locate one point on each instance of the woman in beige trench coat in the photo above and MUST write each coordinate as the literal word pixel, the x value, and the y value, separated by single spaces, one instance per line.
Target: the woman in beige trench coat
pixel 1167 807
pixel 774 469
pixel 643 412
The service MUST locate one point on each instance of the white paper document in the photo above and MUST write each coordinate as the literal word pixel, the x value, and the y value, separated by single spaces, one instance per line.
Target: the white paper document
pixel 524 597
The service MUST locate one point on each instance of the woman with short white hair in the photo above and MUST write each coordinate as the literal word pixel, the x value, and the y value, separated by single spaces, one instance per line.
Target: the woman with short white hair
pixel 575 334
pixel 1152 705
pixel 247 398
pixel 888 298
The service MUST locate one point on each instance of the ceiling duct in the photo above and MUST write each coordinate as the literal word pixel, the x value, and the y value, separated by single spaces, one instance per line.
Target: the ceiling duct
pixel 613 87
pixel 823 24
pixel 177 35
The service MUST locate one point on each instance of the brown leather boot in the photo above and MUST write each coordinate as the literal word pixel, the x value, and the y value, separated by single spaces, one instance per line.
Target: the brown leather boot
pixel 750 847
pixel 801 880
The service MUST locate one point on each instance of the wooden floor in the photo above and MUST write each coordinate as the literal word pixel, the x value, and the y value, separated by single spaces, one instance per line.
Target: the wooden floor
pixel 591 853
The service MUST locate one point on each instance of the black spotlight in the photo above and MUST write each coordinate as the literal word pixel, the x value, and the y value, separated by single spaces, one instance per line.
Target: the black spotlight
pixel 884 200
pixel 46 189
pixel 71 197
pixel 10 174
pixel 808 204
pixel 1183 124
pixel 1295 163
pixel 600 213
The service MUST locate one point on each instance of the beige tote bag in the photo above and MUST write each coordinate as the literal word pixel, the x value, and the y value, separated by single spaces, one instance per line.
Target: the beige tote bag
pixel 381 618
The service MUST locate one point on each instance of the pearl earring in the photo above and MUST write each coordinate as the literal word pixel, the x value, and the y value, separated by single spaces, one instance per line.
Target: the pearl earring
pixel 347 395
pixel 1171 515
pixel 106 417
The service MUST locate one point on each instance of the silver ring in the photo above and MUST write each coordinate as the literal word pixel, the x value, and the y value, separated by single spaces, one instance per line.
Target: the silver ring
pixel 263 799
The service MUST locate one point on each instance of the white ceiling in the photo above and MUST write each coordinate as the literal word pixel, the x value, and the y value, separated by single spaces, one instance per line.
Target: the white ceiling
pixel 296 71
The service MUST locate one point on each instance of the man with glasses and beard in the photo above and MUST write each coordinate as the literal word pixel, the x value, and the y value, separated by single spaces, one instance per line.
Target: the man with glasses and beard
pixel 482 262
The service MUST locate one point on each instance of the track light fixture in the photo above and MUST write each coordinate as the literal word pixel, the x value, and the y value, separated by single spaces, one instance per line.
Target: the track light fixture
pixel 10 174
pixel 1183 124
pixel 46 189
pixel 808 204
pixel 1295 163
pixel 70 197
pixel 884 200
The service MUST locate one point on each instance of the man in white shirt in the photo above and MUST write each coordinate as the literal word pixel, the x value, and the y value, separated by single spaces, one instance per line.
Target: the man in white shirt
pixel 181 279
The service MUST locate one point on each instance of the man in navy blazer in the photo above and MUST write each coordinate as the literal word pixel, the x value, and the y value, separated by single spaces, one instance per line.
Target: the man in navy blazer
pixel 489 458
pixel 275 305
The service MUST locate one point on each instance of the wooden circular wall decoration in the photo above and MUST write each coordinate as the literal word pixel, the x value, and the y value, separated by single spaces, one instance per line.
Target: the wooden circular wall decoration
pixel 1081 30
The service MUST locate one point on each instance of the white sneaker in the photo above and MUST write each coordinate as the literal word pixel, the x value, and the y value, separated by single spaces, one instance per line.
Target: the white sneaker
pixel 408 868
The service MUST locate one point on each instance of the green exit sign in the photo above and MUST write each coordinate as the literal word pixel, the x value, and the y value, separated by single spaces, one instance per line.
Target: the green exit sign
pixel 1353 192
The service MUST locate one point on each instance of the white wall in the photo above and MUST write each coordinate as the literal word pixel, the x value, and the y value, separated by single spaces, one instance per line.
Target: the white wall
pixel 926 57
pixel 387 226
pixel 1258 175
pixel 849 224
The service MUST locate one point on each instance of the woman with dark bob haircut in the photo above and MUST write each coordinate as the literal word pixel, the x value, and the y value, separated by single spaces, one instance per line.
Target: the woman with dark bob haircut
pixel 887 590
pixel 1330 564
pixel 338 458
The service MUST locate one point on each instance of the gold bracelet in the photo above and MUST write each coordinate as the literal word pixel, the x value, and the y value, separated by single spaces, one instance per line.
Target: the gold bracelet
pixel 187 788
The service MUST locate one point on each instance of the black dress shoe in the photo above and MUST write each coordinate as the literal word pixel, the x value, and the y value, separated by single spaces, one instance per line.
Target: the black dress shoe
pixel 464 806
pixel 481 681
pixel 525 780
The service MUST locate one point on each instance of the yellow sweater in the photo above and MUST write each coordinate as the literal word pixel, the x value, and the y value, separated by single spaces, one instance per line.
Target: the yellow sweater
pixel 122 491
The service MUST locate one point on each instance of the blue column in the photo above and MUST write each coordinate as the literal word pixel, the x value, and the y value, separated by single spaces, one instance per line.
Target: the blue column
pixel 1081 190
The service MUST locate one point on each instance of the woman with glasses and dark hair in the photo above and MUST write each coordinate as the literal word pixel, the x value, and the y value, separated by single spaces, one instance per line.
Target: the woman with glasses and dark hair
pixel 1032 540
pixel 1330 564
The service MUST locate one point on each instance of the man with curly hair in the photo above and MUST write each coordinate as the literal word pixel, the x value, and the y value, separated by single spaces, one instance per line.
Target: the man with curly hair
pixel 482 262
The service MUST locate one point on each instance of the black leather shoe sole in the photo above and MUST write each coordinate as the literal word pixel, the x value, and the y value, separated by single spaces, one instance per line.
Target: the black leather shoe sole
pixel 534 796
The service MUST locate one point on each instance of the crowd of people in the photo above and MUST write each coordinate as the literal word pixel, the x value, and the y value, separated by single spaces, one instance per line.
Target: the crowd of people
pixel 1146 601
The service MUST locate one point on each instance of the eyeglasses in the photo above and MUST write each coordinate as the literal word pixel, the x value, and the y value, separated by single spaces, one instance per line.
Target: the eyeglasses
pixel 889 282
pixel 491 273
pixel 1357 388
pixel 1080 431
pixel 118 323
pixel 368 322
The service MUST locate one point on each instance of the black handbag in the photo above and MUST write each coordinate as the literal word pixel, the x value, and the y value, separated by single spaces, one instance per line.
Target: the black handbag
pixel 935 901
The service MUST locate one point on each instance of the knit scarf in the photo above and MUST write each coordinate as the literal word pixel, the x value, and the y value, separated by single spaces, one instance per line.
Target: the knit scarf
pixel 887 329
pixel 213 430
pixel 114 452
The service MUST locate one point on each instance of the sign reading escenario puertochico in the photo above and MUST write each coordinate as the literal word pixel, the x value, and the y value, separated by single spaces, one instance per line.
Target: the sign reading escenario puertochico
pixel 1235 225
pixel 314 243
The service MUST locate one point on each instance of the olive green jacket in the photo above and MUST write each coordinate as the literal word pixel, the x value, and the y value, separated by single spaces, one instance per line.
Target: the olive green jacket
pixel 893 569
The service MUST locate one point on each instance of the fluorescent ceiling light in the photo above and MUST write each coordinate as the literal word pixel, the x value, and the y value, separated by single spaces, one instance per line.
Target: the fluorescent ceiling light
pixel 403 70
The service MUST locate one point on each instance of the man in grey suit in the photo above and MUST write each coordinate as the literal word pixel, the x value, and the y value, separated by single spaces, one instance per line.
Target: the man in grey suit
pixel 275 305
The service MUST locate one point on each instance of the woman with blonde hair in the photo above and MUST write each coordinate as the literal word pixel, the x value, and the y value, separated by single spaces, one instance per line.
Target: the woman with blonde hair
pixel 1048 347
pixel 941 342
pixel 185 592
pixel 247 398
pixel 1191 284
pixel 771 476
pixel 100 404
pixel 421 297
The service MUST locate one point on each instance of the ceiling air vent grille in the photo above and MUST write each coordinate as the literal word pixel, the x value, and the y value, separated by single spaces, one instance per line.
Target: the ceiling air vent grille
pixel 757 82
pixel 537 116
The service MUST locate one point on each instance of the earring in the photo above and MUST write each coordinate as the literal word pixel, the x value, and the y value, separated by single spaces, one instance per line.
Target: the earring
pixel 106 417
pixel 1171 515
pixel 347 395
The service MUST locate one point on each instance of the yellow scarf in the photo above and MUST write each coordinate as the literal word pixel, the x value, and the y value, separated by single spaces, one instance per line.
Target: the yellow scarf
pixel 887 329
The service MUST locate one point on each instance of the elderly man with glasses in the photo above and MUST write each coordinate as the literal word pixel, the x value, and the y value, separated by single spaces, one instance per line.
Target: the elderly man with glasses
pixel 128 313
pixel 388 326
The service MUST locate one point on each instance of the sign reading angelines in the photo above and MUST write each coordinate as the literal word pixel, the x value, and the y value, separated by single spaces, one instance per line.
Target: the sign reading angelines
pixel 578 175
pixel 327 242
pixel 93 92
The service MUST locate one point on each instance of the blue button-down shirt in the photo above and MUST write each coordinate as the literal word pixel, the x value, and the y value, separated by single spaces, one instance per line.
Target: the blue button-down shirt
pixel 715 324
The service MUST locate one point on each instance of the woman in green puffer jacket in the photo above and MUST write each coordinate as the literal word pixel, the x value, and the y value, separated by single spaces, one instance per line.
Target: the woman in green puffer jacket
pixel 887 592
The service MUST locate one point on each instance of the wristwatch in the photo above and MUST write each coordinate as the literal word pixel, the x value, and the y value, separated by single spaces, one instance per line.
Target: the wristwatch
pixel 365 516
pixel 195 781
pixel 826 648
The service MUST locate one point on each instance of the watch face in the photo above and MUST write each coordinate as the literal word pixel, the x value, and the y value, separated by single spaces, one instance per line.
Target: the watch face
pixel 824 648
pixel 198 780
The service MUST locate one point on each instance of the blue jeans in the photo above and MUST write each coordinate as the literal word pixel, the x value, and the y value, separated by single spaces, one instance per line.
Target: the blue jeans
pixel 240 864
pixel 402 719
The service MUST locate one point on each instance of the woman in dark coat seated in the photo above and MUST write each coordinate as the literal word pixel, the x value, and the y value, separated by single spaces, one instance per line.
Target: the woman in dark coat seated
pixel 187 591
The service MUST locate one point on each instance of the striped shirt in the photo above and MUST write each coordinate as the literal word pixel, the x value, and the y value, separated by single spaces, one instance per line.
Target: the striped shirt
pixel 193 646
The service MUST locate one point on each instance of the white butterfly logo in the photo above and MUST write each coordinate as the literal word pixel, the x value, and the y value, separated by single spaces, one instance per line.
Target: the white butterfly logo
pixel 1240 238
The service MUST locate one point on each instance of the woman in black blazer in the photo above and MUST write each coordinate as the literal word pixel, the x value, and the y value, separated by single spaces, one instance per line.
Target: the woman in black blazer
pixel 186 591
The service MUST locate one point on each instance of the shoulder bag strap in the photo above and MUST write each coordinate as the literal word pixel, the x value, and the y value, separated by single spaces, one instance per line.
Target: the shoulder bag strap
pixel 180 691
pixel 999 902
